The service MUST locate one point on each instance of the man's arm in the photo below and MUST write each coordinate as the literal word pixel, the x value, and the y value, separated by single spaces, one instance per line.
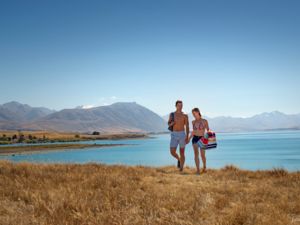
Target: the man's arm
pixel 187 126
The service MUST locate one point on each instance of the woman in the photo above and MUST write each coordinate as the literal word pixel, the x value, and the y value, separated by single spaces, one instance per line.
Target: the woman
pixel 200 126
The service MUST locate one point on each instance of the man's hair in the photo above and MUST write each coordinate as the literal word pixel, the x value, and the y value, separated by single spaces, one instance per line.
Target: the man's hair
pixel 178 102
pixel 197 111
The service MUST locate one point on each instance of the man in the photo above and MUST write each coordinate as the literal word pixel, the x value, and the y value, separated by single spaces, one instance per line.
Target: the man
pixel 179 126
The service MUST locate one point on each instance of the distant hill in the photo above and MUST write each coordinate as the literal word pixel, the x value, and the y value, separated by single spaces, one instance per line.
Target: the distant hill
pixel 17 112
pixel 264 121
pixel 118 117
pixel 6 115
pixel 261 122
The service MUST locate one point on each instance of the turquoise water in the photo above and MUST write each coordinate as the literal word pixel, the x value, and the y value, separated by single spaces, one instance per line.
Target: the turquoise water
pixel 259 150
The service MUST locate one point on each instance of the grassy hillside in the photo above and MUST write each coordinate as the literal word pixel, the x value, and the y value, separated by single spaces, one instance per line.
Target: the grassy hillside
pixel 98 194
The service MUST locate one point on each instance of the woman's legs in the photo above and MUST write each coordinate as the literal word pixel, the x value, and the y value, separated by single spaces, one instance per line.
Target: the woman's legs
pixel 203 157
pixel 197 160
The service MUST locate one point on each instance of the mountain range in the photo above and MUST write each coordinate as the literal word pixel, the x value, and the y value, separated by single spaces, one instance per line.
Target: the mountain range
pixel 262 122
pixel 126 117
pixel 118 117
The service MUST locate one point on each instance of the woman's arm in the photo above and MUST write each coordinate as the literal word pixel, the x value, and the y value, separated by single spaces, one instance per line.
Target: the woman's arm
pixel 191 133
pixel 191 136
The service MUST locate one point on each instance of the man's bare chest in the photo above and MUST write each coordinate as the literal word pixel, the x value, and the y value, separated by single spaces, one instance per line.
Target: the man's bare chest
pixel 179 118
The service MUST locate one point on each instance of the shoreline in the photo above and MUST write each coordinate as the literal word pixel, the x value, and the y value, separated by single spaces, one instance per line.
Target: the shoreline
pixel 8 138
pixel 28 149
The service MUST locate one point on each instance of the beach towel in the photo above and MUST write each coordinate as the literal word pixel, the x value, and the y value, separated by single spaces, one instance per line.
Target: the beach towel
pixel 209 141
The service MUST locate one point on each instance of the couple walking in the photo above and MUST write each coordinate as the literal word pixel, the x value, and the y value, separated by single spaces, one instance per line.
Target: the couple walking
pixel 180 135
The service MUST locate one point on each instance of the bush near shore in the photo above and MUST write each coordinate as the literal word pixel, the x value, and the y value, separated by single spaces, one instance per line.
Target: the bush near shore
pixel 44 194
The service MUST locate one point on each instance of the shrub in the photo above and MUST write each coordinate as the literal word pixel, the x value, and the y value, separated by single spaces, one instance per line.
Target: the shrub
pixel 278 172
pixel 21 138
pixel 3 138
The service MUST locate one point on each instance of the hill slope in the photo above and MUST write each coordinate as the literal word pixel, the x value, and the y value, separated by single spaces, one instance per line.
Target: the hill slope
pixel 15 111
pixel 118 117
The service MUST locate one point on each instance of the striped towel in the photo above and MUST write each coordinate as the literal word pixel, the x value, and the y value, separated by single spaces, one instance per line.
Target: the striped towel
pixel 209 141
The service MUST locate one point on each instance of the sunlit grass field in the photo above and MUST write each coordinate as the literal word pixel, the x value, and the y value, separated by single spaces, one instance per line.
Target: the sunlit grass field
pixel 98 194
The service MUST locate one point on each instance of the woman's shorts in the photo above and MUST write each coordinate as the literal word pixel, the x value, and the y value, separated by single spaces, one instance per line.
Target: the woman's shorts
pixel 196 139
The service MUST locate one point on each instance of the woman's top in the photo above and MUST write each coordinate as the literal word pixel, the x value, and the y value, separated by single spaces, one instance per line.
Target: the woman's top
pixel 199 124
pixel 199 127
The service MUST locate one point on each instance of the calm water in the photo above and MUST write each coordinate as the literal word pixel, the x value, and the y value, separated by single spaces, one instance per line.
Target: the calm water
pixel 263 150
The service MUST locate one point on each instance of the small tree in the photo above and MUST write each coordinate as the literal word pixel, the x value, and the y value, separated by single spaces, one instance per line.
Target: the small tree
pixel 21 138
pixel 3 138
pixel 96 133
pixel 77 136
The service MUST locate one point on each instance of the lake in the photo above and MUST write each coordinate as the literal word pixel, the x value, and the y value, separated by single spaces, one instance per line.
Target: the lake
pixel 257 150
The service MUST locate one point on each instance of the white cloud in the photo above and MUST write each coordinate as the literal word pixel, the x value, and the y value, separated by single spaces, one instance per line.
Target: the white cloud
pixel 103 101
pixel 88 106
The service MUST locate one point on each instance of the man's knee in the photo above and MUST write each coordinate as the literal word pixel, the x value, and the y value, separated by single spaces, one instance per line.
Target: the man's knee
pixel 173 151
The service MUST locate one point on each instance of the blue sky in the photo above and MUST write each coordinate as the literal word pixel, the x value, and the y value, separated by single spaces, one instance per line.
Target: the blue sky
pixel 235 58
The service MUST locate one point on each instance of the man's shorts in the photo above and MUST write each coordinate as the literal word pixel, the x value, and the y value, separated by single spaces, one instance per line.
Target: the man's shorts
pixel 177 138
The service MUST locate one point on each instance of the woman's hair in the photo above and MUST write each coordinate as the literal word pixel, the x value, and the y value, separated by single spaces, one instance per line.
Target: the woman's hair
pixel 197 110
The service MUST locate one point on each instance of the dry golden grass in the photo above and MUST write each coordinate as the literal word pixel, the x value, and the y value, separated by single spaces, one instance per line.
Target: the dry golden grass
pixel 41 134
pixel 98 194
